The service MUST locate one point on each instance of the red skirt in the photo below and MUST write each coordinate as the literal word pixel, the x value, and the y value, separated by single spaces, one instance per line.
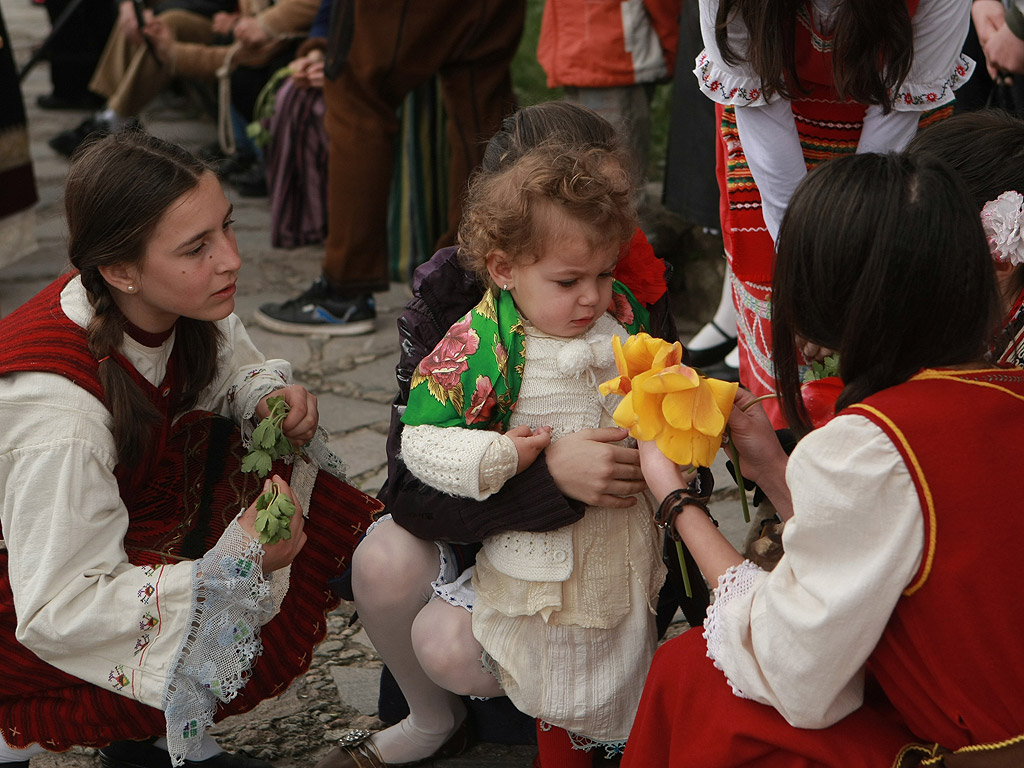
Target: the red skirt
pixel 177 518
pixel 689 715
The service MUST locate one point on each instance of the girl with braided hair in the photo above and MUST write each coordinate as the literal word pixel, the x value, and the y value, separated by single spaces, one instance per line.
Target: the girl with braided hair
pixel 136 599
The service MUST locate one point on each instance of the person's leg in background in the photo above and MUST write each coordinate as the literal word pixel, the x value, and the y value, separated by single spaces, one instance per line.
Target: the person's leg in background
pixel 74 52
pixel 396 46
pixel 129 77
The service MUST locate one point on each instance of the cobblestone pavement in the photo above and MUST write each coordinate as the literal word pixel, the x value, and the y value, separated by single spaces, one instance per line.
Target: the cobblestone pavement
pixel 352 377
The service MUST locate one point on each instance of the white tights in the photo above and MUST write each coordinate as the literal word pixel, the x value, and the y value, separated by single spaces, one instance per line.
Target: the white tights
pixel 426 643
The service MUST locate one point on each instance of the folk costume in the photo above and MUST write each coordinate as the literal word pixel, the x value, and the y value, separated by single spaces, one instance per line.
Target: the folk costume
pixel 566 617
pixel 886 547
pixel 132 603
pixel 766 145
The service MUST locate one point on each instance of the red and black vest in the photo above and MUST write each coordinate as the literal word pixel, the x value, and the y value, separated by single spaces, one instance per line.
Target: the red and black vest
pixel 949 659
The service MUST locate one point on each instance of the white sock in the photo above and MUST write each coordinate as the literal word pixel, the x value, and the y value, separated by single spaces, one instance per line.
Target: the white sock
pixel 405 742
pixel 209 748
pixel 733 358
pixel 725 318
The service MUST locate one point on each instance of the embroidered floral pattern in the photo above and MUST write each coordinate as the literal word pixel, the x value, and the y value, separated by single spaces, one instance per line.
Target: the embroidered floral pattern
pixel 146 593
pixel 118 678
pixel 934 96
pixel 739 95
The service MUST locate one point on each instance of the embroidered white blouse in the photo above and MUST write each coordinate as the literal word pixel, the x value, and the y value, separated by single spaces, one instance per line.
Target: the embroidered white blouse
pixel 797 638
pixel 81 606
pixel 769 134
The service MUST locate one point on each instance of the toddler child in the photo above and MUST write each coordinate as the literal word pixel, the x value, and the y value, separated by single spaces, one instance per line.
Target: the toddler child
pixel 565 617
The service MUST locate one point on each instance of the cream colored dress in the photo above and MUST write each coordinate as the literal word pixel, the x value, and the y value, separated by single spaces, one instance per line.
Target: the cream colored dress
pixel 567 617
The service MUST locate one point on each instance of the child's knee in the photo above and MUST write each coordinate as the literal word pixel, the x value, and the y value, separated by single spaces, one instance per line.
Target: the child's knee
pixel 445 645
pixel 390 560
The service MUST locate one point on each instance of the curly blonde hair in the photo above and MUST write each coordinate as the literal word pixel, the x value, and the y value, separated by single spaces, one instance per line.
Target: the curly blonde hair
pixel 509 209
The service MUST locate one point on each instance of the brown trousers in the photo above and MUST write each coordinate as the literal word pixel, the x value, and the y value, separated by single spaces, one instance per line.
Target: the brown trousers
pixel 398 45
pixel 128 75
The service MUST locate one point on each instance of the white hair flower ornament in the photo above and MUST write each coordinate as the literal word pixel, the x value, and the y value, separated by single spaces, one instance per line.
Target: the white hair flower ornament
pixel 1001 220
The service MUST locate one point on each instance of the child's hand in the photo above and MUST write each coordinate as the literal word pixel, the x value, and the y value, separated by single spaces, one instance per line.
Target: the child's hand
pixel 662 474
pixel 299 425
pixel 529 443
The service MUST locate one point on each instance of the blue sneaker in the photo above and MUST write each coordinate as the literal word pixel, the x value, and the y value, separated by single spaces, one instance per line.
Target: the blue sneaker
pixel 319 310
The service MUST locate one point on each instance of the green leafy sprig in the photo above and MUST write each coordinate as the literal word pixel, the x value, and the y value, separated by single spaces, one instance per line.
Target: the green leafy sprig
pixel 823 370
pixel 268 441
pixel 274 512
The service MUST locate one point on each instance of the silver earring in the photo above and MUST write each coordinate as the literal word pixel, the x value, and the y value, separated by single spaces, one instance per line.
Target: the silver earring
pixel 131 288
pixel 504 286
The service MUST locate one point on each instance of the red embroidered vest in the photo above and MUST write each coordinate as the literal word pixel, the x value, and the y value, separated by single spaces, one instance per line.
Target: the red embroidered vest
pixel 39 337
pixel 949 659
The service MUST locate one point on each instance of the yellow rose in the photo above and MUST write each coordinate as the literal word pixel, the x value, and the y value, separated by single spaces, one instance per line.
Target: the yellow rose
pixel 666 401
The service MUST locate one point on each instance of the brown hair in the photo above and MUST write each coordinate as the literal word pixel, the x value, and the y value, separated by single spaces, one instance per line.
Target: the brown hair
pixel 508 208
pixel 117 190
pixel 873 46
pixel 882 258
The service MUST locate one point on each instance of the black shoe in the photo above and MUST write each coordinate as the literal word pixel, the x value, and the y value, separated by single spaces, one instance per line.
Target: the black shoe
pixel 251 183
pixel 700 358
pixel 320 310
pixel 85 100
pixel 142 754
pixel 66 142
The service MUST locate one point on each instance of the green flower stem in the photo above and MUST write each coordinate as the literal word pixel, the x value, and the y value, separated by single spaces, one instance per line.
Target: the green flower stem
pixel 735 456
pixel 682 567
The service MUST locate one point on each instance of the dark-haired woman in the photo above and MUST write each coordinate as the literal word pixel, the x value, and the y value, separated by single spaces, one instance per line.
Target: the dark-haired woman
pixel 887 621
pixel 135 598
pixel 798 82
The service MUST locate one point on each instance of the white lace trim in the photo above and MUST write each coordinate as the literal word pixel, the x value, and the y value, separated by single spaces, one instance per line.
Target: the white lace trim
pixel 734 583
pixel 738 90
pixel 231 601
pixel 728 88
pixel 915 97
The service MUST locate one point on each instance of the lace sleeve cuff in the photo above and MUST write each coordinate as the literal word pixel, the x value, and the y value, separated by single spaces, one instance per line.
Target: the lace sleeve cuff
pixel 734 584
pixel 728 87
pixel 231 601
pixel 918 97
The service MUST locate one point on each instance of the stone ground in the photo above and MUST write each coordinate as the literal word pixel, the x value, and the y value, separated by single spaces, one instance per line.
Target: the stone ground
pixel 354 380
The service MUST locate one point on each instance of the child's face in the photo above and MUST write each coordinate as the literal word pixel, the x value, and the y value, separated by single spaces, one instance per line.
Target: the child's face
pixel 567 287
pixel 190 265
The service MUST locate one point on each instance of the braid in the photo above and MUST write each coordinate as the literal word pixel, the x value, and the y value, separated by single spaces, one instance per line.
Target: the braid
pixel 133 414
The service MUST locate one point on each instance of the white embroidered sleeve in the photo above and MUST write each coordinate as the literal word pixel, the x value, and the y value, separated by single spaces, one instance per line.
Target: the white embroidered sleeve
pixel 939 66
pixel 730 84
pixel 797 638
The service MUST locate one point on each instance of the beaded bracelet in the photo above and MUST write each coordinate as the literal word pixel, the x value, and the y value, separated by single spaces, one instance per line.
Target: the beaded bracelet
pixel 673 504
